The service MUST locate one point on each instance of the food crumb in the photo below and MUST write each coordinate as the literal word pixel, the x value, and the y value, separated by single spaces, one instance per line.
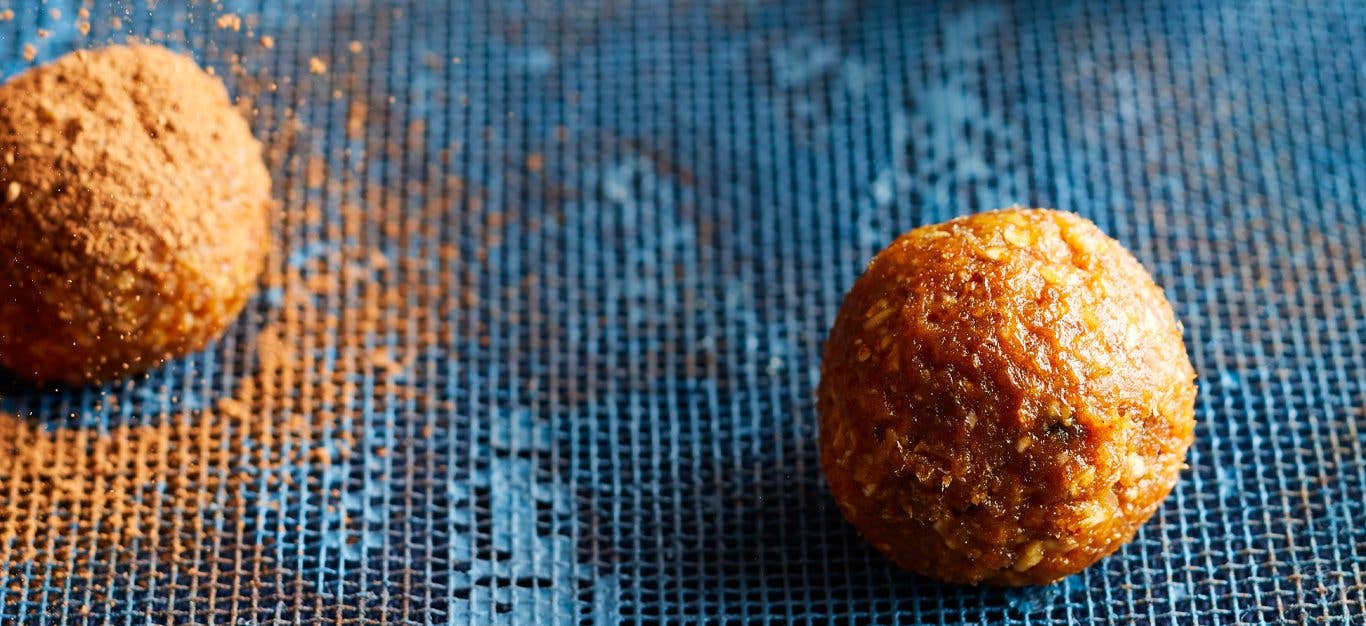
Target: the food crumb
pixel 115 23
pixel 230 21
pixel 378 260
pixel 535 162
pixel 55 13
pixel 83 26
pixel 44 33
pixel 355 47
pixel 6 15
pixel 267 42
pixel 30 52
pixel 83 13
pixel 232 408
pixel 315 174
pixel 317 66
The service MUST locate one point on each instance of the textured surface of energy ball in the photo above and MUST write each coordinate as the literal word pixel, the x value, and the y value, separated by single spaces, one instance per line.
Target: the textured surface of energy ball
pixel 133 213
pixel 1005 398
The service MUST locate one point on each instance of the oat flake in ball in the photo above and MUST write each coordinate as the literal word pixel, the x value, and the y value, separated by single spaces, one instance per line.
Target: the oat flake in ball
pixel 133 213
pixel 1005 398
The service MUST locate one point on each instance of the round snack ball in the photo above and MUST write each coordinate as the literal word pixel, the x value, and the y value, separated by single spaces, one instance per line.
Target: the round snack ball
pixel 1004 398
pixel 133 213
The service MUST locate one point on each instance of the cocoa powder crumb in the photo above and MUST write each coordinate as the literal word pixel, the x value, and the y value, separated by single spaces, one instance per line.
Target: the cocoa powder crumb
pixel 30 52
pixel 232 408
pixel 229 21
pixel 317 66
pixel 267 42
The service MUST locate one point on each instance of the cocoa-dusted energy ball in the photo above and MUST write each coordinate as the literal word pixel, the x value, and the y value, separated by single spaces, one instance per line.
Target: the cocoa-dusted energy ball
pixel 1004 398
pixel 133 213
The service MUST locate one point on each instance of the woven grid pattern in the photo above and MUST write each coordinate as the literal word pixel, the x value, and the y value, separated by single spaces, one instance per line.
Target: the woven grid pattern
pixel 540 337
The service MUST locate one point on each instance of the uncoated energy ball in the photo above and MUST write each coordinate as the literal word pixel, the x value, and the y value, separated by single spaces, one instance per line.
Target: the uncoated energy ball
pixel 133 213
pixel 1005 398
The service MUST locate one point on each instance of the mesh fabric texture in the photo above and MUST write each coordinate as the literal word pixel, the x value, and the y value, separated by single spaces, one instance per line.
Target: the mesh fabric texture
pixel 540 337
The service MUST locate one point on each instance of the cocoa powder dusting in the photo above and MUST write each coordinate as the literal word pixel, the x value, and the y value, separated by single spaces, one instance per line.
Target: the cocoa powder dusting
pixel 153 483
pixel 175 487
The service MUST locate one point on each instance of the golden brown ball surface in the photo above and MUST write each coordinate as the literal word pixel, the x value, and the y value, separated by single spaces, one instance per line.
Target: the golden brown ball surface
pixel 1005 398
pixel 133 213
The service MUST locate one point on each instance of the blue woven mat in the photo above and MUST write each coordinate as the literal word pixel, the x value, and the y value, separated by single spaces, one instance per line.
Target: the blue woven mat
pixel 540 341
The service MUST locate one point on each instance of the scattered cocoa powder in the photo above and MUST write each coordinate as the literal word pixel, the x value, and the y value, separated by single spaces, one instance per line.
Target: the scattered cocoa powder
pixel 163 475
pixel 229 21
pixel 152 481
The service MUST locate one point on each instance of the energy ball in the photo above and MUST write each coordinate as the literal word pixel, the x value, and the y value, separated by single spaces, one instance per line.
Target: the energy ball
pixel 1004 398
pixel 133 213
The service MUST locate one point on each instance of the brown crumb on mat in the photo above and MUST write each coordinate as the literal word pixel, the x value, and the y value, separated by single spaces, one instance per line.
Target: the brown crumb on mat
pixel 229 21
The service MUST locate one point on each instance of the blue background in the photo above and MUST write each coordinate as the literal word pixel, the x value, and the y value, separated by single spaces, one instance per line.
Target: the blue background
pixel 658 208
